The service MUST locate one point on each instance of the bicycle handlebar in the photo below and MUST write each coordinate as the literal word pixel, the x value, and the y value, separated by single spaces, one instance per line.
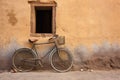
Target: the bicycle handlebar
pixel 51 40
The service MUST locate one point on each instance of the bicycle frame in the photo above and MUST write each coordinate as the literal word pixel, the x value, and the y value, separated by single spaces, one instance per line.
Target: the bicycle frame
pixel 51 51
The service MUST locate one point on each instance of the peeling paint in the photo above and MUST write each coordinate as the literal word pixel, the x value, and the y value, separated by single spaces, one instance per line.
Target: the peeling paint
pixel 12 18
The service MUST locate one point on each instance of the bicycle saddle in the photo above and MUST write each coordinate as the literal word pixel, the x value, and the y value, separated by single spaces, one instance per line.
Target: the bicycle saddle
pixel 32 40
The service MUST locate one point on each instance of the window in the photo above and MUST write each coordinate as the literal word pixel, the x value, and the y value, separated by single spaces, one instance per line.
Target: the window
pixel 43 20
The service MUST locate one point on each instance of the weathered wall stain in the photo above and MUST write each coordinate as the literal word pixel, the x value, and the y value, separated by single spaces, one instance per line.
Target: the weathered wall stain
pixel 12 17
pixel 103 57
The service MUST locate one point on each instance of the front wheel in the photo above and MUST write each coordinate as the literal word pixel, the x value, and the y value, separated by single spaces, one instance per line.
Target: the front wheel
pixel 61 60
pixel 21 59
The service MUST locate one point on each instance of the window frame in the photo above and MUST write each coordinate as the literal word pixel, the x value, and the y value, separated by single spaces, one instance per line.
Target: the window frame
pixel 34 4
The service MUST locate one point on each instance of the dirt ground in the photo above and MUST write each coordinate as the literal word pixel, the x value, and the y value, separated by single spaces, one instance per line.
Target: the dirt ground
pixel 72 75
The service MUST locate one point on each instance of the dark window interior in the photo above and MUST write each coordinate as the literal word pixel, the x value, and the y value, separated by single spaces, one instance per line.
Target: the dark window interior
pixel 43 19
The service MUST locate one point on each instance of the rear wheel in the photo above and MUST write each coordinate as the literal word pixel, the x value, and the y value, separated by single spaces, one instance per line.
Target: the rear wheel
pixel 61 61
pixel 21 59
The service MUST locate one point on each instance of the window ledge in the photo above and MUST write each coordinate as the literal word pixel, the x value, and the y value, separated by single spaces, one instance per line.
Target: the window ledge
pixel 41 35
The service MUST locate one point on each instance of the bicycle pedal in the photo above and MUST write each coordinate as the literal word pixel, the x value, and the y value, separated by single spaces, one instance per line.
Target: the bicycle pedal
pixel 41 66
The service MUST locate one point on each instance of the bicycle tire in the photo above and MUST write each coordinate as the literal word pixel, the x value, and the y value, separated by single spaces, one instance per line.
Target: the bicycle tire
pixel 61 60
pixel 20 55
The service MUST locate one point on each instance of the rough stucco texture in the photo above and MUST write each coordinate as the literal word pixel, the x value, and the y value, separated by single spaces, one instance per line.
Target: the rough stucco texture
pixel 81 21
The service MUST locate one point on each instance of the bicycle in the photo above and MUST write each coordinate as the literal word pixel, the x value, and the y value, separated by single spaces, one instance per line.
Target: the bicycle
pixel 26 59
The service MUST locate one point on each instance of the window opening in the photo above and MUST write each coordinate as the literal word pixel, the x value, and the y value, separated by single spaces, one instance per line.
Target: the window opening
pixel 43 19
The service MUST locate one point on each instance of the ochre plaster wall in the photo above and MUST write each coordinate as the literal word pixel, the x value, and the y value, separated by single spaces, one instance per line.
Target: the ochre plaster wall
pixel 83 22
